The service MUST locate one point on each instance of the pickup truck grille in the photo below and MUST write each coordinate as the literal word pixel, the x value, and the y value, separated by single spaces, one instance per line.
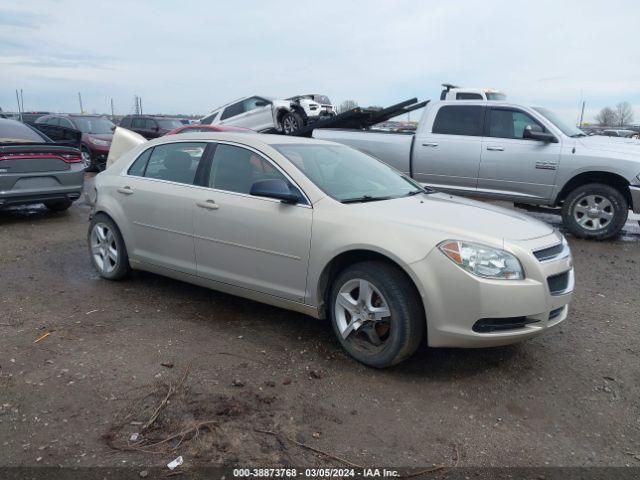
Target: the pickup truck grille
pixel 549 253
pixel 559 283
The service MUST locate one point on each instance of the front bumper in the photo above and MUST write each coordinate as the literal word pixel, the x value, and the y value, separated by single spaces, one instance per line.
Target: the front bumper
pixel 457 302
pixel 635 198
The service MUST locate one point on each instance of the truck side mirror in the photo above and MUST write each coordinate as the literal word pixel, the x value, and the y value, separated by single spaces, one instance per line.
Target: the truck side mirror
pixel 531 134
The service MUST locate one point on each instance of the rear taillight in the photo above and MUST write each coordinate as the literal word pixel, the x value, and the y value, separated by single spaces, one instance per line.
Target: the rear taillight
pixel 65 157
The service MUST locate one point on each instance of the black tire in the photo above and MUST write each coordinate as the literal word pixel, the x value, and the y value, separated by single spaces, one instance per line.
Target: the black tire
pixel 296 122
pixel 615 202
pixel 121 267
pixel 58 205
pixel 406 324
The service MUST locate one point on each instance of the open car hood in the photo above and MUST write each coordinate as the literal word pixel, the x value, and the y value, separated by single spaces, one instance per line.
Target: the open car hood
pixel 123 140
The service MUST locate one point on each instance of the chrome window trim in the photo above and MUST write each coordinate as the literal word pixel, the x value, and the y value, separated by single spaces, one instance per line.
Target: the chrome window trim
pixel 125 173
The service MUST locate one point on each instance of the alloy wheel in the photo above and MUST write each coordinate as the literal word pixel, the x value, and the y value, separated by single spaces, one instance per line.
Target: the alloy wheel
pixel 289 124
pixel 104 248
pixel 86 158
pixel 593 212
pixel 362 313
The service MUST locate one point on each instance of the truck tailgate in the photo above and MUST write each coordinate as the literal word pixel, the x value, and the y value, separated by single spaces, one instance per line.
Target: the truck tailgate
pixel 392 148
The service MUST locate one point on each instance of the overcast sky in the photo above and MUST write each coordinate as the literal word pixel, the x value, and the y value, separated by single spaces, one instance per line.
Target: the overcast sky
pixel 191 56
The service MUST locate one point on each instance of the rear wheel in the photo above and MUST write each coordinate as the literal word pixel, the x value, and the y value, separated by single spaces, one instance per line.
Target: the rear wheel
pixel 107 249
pixel 595 211
pixel 58 205
pixel 291 123
pixel 376 314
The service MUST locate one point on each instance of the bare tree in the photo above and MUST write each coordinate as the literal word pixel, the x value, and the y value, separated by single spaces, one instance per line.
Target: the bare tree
pixel 624 114
pixel 347 105
pixel 606 117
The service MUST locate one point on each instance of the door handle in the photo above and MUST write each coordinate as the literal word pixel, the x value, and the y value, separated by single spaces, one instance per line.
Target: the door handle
pixel 126 190
pixel 209 205
pixel 430 144
pixel 496 149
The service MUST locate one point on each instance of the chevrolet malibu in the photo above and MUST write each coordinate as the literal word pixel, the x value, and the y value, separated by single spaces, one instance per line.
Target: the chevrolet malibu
pixel 323 229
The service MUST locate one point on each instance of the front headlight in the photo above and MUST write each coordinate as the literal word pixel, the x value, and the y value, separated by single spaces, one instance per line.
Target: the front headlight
pixel 101 143
pixel 483 261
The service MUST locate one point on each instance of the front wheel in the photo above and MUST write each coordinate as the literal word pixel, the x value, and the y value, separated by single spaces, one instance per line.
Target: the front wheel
pixel 107 249
pixel 595 211
pixel 376 313
pixel 86 159
pixel 291 123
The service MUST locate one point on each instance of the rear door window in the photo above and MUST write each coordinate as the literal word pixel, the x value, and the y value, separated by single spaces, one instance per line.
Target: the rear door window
pixel 175 162
pixel 233 110
pixel 138 123
pixel 465 120
pixel 125 122
pixel 150 124
pixel 138 167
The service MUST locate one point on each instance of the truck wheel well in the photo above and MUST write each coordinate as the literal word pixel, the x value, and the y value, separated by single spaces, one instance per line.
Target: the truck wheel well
pixel 344 260
pixel 607 178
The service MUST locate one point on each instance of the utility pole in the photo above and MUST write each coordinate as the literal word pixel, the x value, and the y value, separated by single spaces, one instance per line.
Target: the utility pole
pixel 19 107
pixel 582 113
pixel 113 116
pixel 21 100
pixel 80 100
pixel 140 102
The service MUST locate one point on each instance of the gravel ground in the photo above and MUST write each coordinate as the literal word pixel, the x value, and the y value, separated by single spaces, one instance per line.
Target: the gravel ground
pixel 250 384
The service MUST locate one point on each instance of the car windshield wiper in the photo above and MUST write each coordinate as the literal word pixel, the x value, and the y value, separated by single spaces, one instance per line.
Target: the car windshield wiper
pixel 577 135
pixel 363 199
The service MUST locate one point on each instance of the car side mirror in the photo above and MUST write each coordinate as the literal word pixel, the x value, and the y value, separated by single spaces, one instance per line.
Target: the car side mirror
pixel 531 134
pixel 275 188
pixel 261 103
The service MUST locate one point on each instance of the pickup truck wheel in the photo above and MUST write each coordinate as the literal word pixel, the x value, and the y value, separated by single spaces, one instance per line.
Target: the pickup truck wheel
pixel 595 211
pixel 107 249
pixel 376 313
pixel 291 123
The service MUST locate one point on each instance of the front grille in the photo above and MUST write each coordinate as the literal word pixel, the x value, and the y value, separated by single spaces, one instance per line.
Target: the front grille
pixel 487 325
pixel 555 313
pixel 549 252
pixel 558 283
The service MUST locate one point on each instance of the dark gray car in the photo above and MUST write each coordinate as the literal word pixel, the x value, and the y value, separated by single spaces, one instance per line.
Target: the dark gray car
pixel 35 169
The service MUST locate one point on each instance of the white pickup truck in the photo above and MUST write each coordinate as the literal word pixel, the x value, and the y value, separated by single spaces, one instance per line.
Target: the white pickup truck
pixel 522 154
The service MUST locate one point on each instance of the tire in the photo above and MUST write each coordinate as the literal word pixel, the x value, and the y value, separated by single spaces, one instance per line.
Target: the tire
pixel 88 161
pixel 291 123
pixel 58 205
pixel 110 265
pixel 595 211
pixel 400 333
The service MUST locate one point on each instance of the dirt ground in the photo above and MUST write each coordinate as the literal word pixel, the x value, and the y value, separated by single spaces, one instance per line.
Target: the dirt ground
pixel 233 382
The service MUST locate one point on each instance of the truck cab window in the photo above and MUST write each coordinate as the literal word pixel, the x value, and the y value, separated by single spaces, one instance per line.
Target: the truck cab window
pixel 507 123
pixel 459 120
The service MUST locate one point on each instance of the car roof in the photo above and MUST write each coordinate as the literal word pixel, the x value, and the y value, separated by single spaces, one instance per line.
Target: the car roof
pixel 246 138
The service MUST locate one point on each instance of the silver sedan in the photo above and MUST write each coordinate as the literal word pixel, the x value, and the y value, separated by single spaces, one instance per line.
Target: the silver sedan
pixel 326 230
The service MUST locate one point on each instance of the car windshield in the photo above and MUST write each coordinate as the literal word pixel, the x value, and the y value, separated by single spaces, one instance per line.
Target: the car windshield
pixel 321 99
pixel 565 127
pixel 169 124
pixel 15 132
pixel 348 175
pixel 96 125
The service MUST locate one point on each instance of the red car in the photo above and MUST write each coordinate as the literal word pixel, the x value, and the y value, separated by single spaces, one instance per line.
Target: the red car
pixel 207 128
